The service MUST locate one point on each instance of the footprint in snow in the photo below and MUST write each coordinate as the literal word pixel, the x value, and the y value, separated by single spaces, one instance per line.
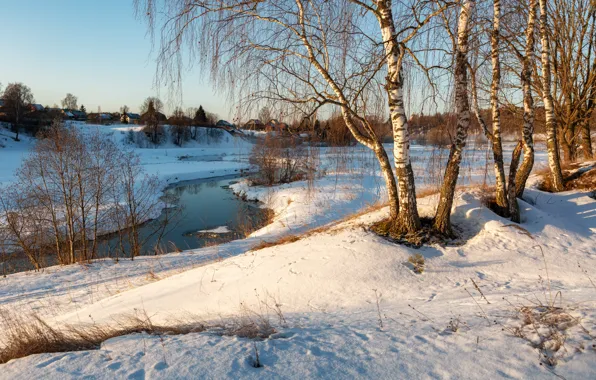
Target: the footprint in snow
pixel 115 366
pixel 137 375
pixel 160 366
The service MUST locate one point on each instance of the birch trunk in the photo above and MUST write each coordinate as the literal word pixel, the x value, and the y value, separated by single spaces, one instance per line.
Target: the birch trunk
pixel 501 187
pixel 384 163
pixel 408 220
pixel 552 144
pixel 442 221
pixel 528 127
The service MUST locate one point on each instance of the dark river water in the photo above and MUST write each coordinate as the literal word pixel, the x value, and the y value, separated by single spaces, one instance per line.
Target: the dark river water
pixel 200 207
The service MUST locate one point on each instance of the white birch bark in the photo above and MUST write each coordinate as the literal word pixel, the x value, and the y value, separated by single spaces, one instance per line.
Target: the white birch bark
pixel 408 221
pixel 501 189
pixel 442 221
pixel 552 144
pixel 528 127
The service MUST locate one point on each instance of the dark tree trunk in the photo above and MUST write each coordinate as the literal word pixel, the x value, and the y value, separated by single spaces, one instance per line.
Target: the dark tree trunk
pixel 586 141
pixel 513 205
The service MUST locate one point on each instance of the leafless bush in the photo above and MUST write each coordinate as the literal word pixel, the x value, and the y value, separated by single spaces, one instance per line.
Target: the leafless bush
pixel 72 189
pixel 279 160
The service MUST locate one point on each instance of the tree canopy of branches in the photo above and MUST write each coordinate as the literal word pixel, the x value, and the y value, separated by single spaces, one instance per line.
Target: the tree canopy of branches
pixel 151 119
pixel 572 28
pixel 154 101
pixel 70 190
pixel 180 126
pixel 70 102
pixel 303 55
pixel 17 99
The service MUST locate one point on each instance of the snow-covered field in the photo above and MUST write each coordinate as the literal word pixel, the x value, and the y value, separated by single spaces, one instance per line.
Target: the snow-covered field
pixel 352 306
pixel 211 158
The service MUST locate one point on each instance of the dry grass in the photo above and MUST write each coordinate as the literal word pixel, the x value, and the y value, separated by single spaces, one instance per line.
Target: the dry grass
pixel 24 336
pixel 247 225
pixel 280 241
pixel 427 192
pixel 417 262
pixel 323 229
pixel 391 230
pixel 547 326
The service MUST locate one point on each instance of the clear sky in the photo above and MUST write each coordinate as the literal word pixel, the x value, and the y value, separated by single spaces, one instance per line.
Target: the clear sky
pixel 95 49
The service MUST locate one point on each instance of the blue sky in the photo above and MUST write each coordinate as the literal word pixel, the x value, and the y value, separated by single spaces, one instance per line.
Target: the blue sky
pixel 96 49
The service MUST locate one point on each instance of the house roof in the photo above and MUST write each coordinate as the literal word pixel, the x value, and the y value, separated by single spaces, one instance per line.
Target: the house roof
pixel 226 123
pixel 38 107
pixel 133 115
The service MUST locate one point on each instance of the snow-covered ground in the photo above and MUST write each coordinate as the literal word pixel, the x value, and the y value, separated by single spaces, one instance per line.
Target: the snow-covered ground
pixel 352 306
pixel 327 285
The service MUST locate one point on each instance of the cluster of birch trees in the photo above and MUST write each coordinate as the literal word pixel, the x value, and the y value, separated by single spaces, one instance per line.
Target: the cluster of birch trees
pixel 73 188
pixel 355 55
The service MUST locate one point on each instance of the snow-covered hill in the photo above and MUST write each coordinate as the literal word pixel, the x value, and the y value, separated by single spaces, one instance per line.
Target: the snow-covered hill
pixel 353 308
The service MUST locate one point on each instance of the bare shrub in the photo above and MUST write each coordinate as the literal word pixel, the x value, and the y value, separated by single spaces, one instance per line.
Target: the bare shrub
pixel 279 160
pixel 72 189
pixel 180 129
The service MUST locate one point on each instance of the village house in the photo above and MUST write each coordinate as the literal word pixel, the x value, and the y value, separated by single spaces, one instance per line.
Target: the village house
pixel 275 125
pixel 130 118
pixel 254 125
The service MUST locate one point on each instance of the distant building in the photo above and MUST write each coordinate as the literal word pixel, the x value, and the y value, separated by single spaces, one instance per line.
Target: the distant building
pixel 78 115
pixel 130 118
pixel 275 125
pixel 37 107
pixel 225 125
pixel 254 125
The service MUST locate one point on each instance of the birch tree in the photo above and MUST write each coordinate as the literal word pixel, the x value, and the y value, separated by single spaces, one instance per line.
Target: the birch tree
pixel 552 144
pixel 526 80
pixel 494 135
pixel 307 54
pixel 442 222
